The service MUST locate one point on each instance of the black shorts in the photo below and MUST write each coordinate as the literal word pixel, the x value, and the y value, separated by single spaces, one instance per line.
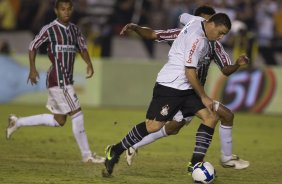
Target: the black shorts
pixel 166 102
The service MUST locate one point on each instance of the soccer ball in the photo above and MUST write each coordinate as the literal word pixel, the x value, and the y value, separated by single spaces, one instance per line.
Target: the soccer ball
pixel 203 172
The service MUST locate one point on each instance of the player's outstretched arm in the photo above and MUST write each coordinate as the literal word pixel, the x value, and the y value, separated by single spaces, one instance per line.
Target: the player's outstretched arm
pixel 33 74
pixel 89 70
pixel 144 32
pixel 242 60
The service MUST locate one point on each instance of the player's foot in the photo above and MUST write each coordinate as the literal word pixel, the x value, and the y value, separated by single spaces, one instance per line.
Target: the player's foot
pixel 12 127
pixel 236 163
pixel 190 168
pixel 130 154
pixel 94 159
pixel 111 159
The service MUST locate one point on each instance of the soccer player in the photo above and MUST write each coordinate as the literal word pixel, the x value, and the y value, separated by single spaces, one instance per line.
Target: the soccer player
pixel 64 39
pixel 223 61
pixel 178 88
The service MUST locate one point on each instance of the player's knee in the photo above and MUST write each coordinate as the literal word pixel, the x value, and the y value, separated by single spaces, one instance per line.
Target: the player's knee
pixel 61 120
pixel 211 120
pixel 227 120
pixel 173 128
pixel 153 125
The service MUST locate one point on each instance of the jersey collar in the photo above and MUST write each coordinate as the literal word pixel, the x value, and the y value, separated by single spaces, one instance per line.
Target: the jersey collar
pixel 62 25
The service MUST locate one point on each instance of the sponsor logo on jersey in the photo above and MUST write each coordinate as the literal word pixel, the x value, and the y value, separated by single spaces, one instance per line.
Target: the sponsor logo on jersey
pixel 191 52
pixel 65 48
pixel 168 36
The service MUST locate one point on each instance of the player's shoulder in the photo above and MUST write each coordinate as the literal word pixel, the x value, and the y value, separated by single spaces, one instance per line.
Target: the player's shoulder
pixel 185 18
pixel 73 25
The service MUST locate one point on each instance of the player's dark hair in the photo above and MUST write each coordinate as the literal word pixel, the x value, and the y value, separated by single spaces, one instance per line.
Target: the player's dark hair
pixel 62 1
pixel 204 9
pixel 221 19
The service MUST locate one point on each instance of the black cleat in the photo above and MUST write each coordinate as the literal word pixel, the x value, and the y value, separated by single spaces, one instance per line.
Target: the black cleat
pixel 190 168
pixel 111 159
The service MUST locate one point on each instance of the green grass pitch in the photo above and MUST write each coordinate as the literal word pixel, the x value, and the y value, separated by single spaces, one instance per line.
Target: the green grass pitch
pixel 46 155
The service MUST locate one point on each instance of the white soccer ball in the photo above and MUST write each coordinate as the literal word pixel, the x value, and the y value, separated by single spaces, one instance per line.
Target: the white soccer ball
pixel 203 172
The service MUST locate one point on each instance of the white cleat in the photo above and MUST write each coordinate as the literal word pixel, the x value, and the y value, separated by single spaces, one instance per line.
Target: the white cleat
pixel 96 159
pixel 236 163
pixel 12 127
pixel 130 154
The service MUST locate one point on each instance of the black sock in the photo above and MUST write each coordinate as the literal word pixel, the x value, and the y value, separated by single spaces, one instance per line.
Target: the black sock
pixel 134 136
pixel 203 141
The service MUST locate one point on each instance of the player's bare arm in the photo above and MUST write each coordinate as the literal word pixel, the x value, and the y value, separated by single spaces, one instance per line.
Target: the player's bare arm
pixel 89 70
pixel 144 32
pixel 241 61
pixel 199 89
pixel 33 74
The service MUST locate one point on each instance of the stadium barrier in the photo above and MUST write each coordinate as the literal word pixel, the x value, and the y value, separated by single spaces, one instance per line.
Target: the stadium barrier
pixel 127 83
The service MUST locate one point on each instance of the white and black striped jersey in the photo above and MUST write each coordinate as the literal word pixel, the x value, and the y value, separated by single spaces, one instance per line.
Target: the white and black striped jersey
pixel 63 43
pixel 217 52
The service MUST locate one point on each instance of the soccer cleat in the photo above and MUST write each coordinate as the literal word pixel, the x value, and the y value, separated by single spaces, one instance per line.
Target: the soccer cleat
pixel 236 163
pixel 94 159
pixel 130 154
pixel 12 127
pixel 111 159
pixel 190 168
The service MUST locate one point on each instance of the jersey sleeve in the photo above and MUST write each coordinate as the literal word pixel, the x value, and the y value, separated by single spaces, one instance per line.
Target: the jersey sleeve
pixel 184 18
pixel 193 52
pixel 39 39
pixel 81 43
pixel 221 58
pixel 167 35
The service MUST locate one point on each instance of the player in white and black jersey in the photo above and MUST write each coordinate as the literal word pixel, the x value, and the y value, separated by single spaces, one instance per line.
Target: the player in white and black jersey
pixel 221 58
pixel 64 39
pixel 178 88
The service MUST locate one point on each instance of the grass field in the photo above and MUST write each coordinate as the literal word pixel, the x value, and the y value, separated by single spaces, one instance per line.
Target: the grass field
pixel 46 155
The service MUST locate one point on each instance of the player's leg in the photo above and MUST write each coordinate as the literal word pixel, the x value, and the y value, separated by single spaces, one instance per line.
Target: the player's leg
pixel 70 103
pixel 170 128
pixel 79 133
pixel 225 132
pixel 41 119
pixel 135 135
pixel 204 135
pixel 162 109
pixel 205 131
pixel 15 122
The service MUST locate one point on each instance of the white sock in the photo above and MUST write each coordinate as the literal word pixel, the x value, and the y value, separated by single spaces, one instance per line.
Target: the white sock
pixel 80 135
pixel 225 133
pixel 152 137
pixel 41 119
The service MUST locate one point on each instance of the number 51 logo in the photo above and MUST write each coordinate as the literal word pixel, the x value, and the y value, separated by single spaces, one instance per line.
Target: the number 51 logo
pixel 246 90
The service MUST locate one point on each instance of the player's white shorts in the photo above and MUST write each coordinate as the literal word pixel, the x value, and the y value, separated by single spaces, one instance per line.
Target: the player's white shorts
pixel 62 100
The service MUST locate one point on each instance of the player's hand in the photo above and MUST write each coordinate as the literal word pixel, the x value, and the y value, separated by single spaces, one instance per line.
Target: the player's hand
pixel 128 28
pixel 208 103
pixel 243 60
pixel 89 71
pixel 33 77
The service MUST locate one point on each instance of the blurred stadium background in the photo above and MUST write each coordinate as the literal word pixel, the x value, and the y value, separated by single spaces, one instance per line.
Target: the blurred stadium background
pixel 126 67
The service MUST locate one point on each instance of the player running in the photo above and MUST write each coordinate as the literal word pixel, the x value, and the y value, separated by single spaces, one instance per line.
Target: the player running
pixel 179 89
pixel 64 40
pixel 223 61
